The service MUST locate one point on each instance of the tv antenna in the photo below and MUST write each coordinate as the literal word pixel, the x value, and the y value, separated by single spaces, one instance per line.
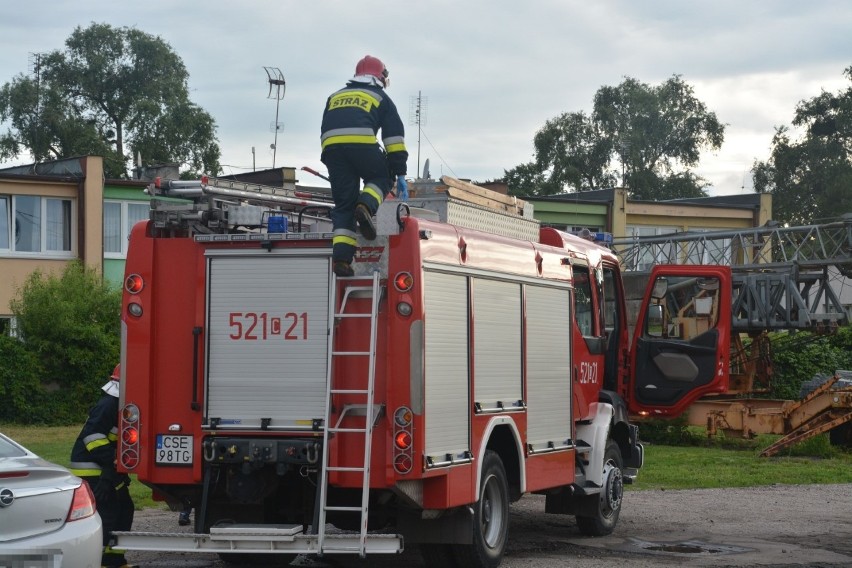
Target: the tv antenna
pixel 277 86
pixel 417 115
pixel 34 64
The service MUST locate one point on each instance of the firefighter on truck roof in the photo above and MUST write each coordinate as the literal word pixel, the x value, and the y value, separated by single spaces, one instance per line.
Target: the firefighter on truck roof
pixel 351 152
pixel 93 459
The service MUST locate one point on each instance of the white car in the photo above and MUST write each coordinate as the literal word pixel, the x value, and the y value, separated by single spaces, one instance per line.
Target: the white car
pixel 47 515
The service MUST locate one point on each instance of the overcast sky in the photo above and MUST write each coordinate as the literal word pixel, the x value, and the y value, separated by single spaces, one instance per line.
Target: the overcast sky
pixel 491 71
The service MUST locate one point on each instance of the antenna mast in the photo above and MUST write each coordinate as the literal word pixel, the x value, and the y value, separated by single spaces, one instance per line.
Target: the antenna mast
pixel 417 115
pixel 276 80
pixel 35 69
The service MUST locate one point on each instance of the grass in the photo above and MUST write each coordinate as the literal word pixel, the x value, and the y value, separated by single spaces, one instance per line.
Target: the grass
pixel 671 467
pixel 54 443
pixel 730 464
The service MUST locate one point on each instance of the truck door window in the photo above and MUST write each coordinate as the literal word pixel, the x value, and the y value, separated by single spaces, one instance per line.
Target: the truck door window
pixel 612 327
pixel 688 308
pixel 610 301
pixel 583 311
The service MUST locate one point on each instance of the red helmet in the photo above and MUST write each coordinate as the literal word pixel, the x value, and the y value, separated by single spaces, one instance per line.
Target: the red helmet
pixel 370 65
pixel 116 373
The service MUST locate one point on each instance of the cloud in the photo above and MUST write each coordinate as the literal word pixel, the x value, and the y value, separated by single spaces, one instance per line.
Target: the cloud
pixel 493 71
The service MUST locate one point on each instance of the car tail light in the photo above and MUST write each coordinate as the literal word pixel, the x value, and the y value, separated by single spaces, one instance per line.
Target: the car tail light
pixel 403 441
pixel 83 503
pixel 129 423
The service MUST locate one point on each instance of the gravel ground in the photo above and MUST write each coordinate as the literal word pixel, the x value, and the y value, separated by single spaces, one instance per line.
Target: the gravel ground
pixel 779 525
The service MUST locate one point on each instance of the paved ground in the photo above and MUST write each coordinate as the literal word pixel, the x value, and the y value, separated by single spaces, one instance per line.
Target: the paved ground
pixel 781 525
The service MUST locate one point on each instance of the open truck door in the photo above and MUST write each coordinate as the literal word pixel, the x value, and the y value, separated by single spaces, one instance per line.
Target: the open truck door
pixel 681 343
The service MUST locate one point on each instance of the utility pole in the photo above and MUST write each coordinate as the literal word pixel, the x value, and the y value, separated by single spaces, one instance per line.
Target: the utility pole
pixel 276 80
pixel 417 115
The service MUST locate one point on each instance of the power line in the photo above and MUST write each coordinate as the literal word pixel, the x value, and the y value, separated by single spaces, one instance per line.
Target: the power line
pixel 439 155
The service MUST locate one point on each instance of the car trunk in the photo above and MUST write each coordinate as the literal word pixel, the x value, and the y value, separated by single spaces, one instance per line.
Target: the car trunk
pixel 41 498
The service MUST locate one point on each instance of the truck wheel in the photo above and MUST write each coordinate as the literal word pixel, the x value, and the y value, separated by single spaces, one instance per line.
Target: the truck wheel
pixel 607 505
pixel 490 518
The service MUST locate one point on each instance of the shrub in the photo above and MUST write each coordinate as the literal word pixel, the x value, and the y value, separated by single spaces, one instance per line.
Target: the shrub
pixel 671 432
pixel 800 356
pixel 70 330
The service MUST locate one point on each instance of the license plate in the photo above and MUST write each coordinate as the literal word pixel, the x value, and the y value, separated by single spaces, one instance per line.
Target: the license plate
pixel 173 450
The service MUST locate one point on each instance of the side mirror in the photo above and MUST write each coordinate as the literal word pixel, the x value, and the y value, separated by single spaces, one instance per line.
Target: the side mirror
pixel 655 322
pixel 661 286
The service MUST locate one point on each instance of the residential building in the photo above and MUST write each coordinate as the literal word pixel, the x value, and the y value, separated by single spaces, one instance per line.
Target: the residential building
pixel 50 215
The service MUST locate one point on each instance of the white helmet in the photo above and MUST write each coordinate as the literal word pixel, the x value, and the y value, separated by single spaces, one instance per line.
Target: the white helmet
pixel 111 388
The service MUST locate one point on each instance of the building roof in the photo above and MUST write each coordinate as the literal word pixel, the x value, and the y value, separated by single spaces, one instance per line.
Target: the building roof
pixel 741 200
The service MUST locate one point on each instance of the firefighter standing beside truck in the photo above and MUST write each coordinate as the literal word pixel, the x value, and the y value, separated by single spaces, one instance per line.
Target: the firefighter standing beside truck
pixel 93 459
pixel 350 123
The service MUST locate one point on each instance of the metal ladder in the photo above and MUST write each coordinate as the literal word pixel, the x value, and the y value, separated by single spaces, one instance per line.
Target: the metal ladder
pixel 367 408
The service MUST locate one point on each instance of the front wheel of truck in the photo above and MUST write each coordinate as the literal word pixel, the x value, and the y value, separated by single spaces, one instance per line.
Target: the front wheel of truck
pixel 606 506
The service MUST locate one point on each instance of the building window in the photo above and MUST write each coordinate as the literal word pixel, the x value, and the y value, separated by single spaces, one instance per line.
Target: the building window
pixel 30 224
pixel 8 326
pixel 651 254
pixel 577 229
pixel 5 223
pixel 119 218
pixel 708 250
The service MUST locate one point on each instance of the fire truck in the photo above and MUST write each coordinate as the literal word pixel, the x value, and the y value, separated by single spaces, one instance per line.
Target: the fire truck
pixel 474 357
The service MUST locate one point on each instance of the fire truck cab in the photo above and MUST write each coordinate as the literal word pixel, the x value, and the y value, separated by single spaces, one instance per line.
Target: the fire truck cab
pixel 474 357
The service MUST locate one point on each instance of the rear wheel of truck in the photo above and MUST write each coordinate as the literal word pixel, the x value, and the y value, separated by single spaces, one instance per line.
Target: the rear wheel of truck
pixel 606 505
pixel 490 518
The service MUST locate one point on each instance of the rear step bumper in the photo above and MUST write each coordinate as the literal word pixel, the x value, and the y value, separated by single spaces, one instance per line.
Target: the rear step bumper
pixel 254 539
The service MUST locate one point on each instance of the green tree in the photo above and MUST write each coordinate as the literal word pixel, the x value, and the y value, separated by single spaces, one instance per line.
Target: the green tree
pixel 651 135
pixel 24 397
pixel 71 324
pixel 810 177
pixel 111 92
pixel 570 153
pixel 799 357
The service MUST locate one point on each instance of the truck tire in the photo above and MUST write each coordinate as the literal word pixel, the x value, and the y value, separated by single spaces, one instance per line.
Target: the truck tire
pixel 607 505
pixel 438 555
pixel 490 518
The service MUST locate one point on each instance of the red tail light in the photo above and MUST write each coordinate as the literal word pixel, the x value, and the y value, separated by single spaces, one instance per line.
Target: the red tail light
pixel 129 447
pixel 402 463
pixel 8 474
pixel 83 503
pixel 134 283
pixel 403 281
pixel 130 436
pixel 403 440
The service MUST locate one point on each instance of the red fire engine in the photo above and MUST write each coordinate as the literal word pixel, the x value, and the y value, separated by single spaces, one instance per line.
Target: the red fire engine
pixel 473 358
